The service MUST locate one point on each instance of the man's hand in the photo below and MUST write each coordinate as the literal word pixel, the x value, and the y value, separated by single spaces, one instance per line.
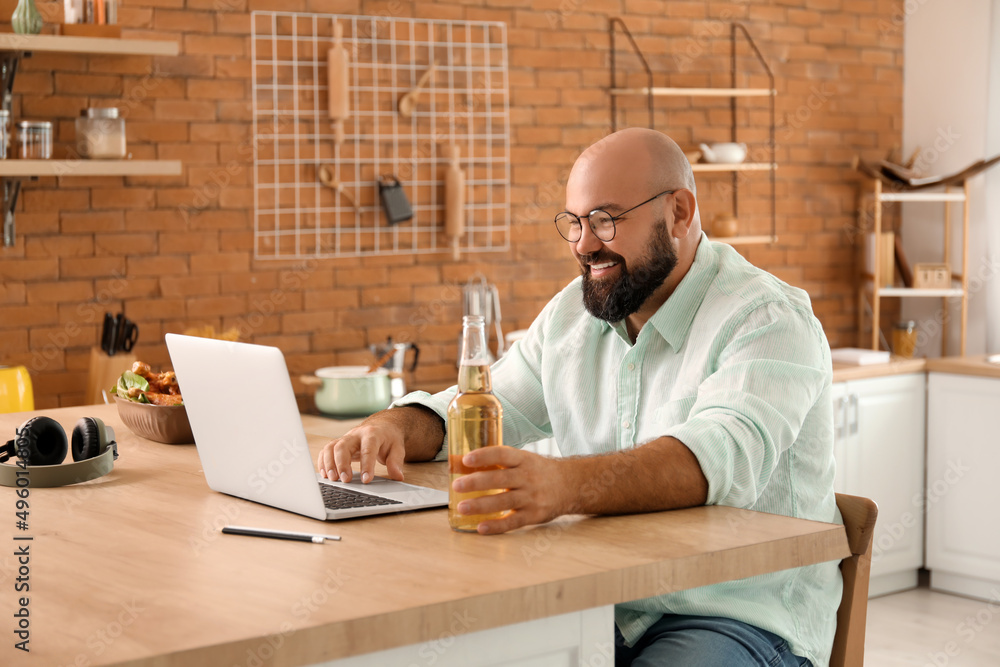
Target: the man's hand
pixel 389 437
pixel 369 442
pixel 535 490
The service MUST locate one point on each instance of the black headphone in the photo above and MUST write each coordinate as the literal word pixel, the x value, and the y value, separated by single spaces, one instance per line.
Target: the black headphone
pixel 40 444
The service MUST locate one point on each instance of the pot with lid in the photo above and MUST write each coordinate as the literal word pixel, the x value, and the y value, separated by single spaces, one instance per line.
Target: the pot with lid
pixel 349 392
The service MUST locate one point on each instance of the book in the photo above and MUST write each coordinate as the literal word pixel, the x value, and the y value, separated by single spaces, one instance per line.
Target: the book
pixel 858 357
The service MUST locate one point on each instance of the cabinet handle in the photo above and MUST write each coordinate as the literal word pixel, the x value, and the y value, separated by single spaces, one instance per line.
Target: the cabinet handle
pixel 853 421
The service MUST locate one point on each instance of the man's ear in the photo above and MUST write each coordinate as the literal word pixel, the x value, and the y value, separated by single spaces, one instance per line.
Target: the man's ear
pixel 684 206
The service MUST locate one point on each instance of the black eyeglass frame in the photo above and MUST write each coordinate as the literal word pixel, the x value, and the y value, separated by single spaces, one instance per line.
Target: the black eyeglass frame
pixel 613 218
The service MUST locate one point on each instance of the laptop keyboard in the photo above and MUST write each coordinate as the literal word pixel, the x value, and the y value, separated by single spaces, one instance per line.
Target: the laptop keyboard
pixel 338 498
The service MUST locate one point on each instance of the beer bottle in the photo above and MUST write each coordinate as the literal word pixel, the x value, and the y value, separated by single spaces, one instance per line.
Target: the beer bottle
pixel 475 419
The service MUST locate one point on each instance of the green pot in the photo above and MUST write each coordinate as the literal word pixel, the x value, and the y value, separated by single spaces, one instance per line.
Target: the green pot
pixel 349 392
pixel 26 20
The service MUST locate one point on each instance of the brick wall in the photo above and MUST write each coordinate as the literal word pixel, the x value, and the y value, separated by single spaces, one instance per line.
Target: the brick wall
pixel 177 252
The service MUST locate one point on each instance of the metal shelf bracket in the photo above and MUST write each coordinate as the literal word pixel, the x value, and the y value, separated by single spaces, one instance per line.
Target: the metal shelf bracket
pixel 11 189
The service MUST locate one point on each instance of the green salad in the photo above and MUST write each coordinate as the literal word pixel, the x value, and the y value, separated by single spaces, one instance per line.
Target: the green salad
pixel 131 386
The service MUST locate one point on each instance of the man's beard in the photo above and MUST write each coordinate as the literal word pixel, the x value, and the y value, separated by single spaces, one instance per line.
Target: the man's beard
pixel 612 300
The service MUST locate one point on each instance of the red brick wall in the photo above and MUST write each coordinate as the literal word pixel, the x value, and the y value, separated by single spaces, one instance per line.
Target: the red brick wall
pixel 87 245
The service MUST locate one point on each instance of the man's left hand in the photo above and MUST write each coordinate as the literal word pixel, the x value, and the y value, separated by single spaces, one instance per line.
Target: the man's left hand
pixel 534 488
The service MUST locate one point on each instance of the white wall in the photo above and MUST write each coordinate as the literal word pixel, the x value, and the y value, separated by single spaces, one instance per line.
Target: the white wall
pixel 950 112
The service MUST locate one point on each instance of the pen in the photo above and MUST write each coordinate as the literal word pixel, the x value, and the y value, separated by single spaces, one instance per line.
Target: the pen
pixel 278 534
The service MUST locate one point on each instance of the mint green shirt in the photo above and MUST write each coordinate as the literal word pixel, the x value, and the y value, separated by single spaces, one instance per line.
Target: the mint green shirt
pixel 735 366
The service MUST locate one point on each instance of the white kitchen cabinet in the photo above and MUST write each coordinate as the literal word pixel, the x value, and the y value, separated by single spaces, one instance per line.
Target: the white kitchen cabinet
pixel 879 450
pixel 570 640
pixel 963 538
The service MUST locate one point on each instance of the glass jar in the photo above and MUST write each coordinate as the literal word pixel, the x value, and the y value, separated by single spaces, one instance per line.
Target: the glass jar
pixel 4 133
pixel 34 140
pixel 100 133
pixel 904 339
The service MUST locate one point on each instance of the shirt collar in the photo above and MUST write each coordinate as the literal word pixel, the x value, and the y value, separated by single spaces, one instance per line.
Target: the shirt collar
pixel 673 319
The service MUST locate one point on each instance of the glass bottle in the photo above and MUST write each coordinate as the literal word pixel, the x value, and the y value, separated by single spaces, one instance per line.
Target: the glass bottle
pixel 475 419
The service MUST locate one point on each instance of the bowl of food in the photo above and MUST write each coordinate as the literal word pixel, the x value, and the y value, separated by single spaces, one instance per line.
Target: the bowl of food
pixel 151 406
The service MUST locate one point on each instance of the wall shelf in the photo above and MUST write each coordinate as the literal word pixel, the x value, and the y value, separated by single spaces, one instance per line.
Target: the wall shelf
pixel 745 240
pixel 732 92
pixel 696 92
pixel 12 48
pixel 102 45
pixel 918 291
pixel 30 168
pixel 743 166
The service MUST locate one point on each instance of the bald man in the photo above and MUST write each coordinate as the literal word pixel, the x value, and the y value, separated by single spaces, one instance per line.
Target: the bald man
pixel 671 373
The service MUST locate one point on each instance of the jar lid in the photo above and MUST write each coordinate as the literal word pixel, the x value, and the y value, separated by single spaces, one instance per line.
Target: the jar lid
pixel 35 125
pixel 908 324
pixel 100 112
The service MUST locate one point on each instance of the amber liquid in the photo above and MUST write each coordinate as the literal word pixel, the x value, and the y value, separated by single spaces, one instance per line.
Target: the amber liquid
pixel 475 419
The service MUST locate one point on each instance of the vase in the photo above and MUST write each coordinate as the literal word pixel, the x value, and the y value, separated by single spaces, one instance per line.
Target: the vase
pixel 26 20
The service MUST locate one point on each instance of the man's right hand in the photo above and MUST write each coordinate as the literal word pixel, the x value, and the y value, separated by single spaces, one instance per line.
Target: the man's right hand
pixel 389 437
pixel 374 440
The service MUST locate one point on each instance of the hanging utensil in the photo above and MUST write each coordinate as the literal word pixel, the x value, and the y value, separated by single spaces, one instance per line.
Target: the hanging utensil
pixel 408 101
pixel 338 104
pixel 454 197
pixel 325 174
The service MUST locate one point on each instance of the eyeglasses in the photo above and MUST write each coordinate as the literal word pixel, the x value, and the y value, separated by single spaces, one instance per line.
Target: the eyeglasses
pixel 602 223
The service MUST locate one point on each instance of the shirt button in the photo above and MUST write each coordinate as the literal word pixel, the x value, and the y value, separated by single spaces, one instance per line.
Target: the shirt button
pixel 625 425
pixel 631 367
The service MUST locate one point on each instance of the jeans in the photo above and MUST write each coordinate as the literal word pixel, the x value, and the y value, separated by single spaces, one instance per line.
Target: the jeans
pixel 705 641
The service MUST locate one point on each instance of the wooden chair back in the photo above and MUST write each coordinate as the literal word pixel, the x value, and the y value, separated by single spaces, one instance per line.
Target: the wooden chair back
pixel 859 522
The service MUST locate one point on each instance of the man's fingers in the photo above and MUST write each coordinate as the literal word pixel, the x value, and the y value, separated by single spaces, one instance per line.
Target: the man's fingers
pixel 322 464
pixel 512 521
pixel 486 480
pixel 394 462
pixel 495 502
pixel 343 453
pixel 369 456
pixel 507 457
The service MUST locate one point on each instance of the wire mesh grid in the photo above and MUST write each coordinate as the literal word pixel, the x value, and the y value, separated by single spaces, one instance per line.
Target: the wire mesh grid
pixel 464 103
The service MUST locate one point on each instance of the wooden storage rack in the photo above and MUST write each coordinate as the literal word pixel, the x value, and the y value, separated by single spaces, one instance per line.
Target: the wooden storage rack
pixel 733 92
pixel 960 281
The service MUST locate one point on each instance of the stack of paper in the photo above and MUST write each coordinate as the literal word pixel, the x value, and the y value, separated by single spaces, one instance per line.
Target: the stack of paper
pixel 858 357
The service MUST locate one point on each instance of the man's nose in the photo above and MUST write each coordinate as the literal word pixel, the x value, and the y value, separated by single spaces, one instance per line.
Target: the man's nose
pixel 588 242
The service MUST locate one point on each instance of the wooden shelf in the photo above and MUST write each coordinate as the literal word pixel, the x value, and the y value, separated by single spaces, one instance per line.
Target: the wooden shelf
pixel 64 44
pixel 742 166
pixel 27 168
pixel 696 92
pixel 744 240
pixel 922 196
pixel 920 291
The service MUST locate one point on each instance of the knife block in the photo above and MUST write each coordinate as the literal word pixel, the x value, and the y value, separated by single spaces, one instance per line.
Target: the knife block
pixel 104 372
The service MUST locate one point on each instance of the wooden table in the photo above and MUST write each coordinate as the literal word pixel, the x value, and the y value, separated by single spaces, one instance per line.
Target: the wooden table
pixel 131 568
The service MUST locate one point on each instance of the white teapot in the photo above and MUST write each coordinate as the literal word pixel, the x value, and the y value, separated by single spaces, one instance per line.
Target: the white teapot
pixel 724 152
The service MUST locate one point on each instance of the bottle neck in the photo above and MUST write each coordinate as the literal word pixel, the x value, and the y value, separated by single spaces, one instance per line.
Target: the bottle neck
pixel 474 365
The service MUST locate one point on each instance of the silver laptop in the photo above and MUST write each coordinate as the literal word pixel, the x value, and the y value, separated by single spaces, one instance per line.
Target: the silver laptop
pixel 249 435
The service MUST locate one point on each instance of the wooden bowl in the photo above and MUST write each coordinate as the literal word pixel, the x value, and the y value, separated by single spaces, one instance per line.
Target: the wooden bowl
pixel 724 225
pixel 163 423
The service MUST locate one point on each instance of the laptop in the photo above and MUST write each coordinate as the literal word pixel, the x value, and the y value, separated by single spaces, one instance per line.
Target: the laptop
pixel 250 439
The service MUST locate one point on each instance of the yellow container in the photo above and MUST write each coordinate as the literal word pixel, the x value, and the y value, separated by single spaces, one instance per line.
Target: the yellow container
pixel 904 339
pixel 15 390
